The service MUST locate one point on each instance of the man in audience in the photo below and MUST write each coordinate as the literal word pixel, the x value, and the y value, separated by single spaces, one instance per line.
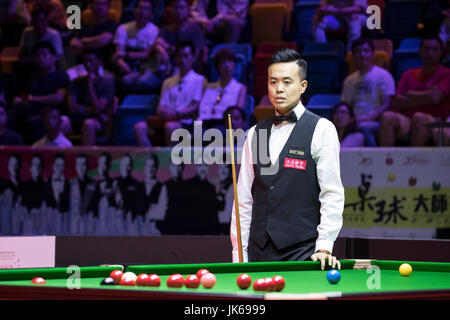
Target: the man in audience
pixel 90 99
pixel 230 18
pixel 98 36
pixel 47 87
pixel 39 31
pixel 368 90
pixel 181 29
pixel 336 15
pixel 422 97
pixel 134 44
pixel 180 97
pixel 54 137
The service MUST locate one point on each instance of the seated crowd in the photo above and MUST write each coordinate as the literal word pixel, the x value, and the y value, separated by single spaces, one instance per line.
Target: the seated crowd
pixel 68 83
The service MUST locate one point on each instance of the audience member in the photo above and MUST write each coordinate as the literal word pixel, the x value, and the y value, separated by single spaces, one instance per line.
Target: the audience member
pixel 39 31
pixel 134 43
pixel 7 137
pixel 90 99
pixel 54 137
pixel 368 90
pixel 180 97
pixel 423 96
pixel 98 36
pixel 223 93
pixel 337 15
pixel 230 18
pixel 57 14
pixel 344 120
pixel 47 87
pixel 181 29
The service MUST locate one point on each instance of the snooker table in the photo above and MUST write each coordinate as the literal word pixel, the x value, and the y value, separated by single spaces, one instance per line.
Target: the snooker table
pixel 361 279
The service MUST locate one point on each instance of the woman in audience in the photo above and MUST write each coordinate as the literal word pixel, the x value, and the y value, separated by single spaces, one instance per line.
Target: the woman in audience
pixel 344 120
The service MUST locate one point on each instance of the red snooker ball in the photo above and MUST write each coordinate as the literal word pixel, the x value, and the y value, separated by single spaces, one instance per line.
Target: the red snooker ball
pixel 38 280
pixel 153 280
pixel 208 280
pixel 259 285
pixel 244 281
pixel 192 281
pixel 270 284
pixel 116 275
pixel 201 272
pixel 279 283
pixel 142 279
pixel 175 281
pixel 127 281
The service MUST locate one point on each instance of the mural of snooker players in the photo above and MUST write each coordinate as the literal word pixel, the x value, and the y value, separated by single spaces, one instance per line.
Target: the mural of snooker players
pixel 200 216
pixel 82 191
pixel 106 198
pixel 57 198
pixel 128 188
pixel 154 196
pixel 33 195
pixel 225 195
pixel 11 196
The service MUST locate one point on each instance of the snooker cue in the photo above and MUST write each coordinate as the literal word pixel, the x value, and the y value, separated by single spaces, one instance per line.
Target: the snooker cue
pixel 236 203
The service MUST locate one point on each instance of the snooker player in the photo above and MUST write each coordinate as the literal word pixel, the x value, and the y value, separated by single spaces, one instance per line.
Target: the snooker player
pixel 290 208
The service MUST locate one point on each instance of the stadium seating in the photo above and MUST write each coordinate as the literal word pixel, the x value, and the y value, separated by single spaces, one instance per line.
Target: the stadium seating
pixel 403 18
pixel 134 108
pixel 404 60
pixel 411 44
pixel 302 17
pixel 321 104
pixel 269 22
pixel 381 59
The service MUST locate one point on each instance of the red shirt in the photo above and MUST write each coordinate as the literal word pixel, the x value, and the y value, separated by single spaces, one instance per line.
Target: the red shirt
pixel 413 79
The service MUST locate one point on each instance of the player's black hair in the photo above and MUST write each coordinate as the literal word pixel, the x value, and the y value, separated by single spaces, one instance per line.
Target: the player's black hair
pixel 362 41
pixel 108 159
pixel 289 55
pixel 83 155
pixel 43 45
pixel 58 155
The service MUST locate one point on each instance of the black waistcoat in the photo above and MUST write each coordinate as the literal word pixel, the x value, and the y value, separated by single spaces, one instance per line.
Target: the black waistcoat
pixel 286 204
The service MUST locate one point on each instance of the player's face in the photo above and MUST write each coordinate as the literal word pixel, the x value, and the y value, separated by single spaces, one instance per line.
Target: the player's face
pixel 149 168
pixel 224 171
pixel 363 56
pixel 13 167
pixel 81 167
pixel 58 167
pixel 125 167
pixel 202 170
pixel 102 167
pixel 431 52
pixel 35 168
pixel 285 86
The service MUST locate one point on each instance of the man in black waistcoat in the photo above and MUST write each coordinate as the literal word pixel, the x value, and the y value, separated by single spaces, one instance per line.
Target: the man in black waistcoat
pixel 290 193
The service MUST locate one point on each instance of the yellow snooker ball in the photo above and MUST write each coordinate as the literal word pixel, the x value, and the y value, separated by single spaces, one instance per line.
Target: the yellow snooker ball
pixel 405 269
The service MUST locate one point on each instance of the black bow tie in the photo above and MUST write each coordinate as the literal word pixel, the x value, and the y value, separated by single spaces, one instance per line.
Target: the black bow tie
pixel 290 117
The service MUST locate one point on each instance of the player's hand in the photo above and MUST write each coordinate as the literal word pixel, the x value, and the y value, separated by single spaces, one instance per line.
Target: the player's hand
pixel 322 256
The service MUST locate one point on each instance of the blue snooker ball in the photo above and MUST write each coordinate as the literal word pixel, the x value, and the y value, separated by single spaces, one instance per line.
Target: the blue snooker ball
pixel 333 276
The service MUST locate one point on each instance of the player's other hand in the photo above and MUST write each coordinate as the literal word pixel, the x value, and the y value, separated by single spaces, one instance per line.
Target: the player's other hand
pixel 323 257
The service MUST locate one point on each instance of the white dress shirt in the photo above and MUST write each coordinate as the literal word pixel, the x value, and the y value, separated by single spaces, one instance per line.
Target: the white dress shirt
pixel 325 152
